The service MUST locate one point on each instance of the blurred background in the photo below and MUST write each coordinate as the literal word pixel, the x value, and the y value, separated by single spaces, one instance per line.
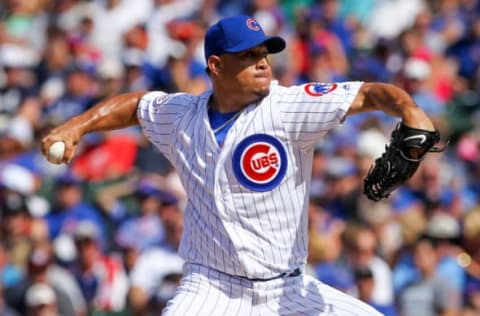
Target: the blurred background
pixel 100 236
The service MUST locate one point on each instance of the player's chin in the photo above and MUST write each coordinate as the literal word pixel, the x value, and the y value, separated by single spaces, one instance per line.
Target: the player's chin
pixel 261 93
pixel 262 88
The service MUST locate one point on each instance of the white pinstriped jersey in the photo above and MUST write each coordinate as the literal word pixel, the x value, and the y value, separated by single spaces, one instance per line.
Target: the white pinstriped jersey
pixel 247 201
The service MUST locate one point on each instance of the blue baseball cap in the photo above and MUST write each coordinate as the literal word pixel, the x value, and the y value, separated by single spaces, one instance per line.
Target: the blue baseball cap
pixel 237 34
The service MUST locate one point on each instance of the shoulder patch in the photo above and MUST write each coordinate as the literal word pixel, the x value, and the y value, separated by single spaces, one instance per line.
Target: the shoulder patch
pixel 158 99
pixel 260 162
pixel 317 89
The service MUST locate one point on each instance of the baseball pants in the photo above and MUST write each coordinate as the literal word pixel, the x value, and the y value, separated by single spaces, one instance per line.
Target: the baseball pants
pixel 207 292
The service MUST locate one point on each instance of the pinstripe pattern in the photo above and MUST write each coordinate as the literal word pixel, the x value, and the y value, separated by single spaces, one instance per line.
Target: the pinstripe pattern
pixel 229 226
pixel 204 291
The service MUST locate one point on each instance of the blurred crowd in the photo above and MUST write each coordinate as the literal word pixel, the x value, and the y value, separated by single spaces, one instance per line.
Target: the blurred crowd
pixel 100 236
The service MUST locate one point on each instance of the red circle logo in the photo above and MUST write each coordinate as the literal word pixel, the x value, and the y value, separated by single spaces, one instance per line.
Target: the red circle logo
pixel 260 162
pixel 253 24
pixel 317 89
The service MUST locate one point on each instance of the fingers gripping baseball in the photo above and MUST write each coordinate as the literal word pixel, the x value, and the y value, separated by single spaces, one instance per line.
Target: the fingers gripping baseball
pixel 59 146
pixel 56 152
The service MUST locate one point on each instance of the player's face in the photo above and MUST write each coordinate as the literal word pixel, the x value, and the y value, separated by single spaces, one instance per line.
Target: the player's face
pixel 249 71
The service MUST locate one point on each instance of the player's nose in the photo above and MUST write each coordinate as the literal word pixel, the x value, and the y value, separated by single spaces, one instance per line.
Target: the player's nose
pixel 263 63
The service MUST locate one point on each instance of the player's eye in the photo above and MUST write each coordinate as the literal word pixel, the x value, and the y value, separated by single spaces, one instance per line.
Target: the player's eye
pixel 256 55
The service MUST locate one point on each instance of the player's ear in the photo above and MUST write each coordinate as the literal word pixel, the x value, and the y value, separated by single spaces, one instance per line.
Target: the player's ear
pixel 214 64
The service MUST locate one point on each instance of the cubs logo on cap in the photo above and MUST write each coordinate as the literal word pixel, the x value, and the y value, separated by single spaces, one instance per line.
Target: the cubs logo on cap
pixel 237 34
pixel 253 24
pixel 317 89
pixel 260 162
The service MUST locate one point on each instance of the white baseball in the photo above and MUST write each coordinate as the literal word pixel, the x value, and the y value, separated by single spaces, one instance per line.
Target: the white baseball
pixel 56 152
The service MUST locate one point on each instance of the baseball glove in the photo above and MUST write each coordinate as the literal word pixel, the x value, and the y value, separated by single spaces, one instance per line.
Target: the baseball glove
pixel 408 146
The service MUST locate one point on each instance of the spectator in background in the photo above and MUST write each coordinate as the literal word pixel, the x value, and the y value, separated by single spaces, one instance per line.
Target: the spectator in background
pixel 449 20
pixel 416 74
pixel 152 284
pixel 80 37
pixel 183 70
pixel 368 58
pixel 433 187
pixel 15 225
pixel 150 161
pixel 136 77
pixel 10 274
pixel 445 232
pixel 136 38
pixel 472 299
pixel 171 215
pixel 145 229
pixel 269 14
pixel 79 93
pixel 17 181
pixel 41 301
pixel 138 71
pixel 319 68
pixel 101 276
pixel 442 70
pixel 462 109
pixel 343 188
pixel 432 38
pixel 19 82
pixel 5 309
pixel 431 294
pixel 111 73
pixel 321 55
pixel 42 261
pixel 380 217
pixel 361 251
pixel 39 262
pixel 325 247
pixel 469 258
pixel 365 284
pixel 17 138
pixel 343 27
pixel 56 57
pixel 431 44
pixel 359 11
pixel 466 49
pixel 69 208
pixel 161 45
pixel 390 17
pixel 16 141
pixel 25 24
pixel 319 166
pixel 112 19
pixel 69 14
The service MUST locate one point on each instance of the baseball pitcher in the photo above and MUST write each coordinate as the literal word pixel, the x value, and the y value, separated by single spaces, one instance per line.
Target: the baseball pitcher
pixel 243 150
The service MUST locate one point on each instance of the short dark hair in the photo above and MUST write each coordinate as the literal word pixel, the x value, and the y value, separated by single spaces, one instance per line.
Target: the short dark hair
pixel 362 273
pixel 13 203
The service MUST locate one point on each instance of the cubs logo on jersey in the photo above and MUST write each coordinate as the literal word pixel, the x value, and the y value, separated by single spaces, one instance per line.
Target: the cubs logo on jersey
pixel 260 162
pixel 317 89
